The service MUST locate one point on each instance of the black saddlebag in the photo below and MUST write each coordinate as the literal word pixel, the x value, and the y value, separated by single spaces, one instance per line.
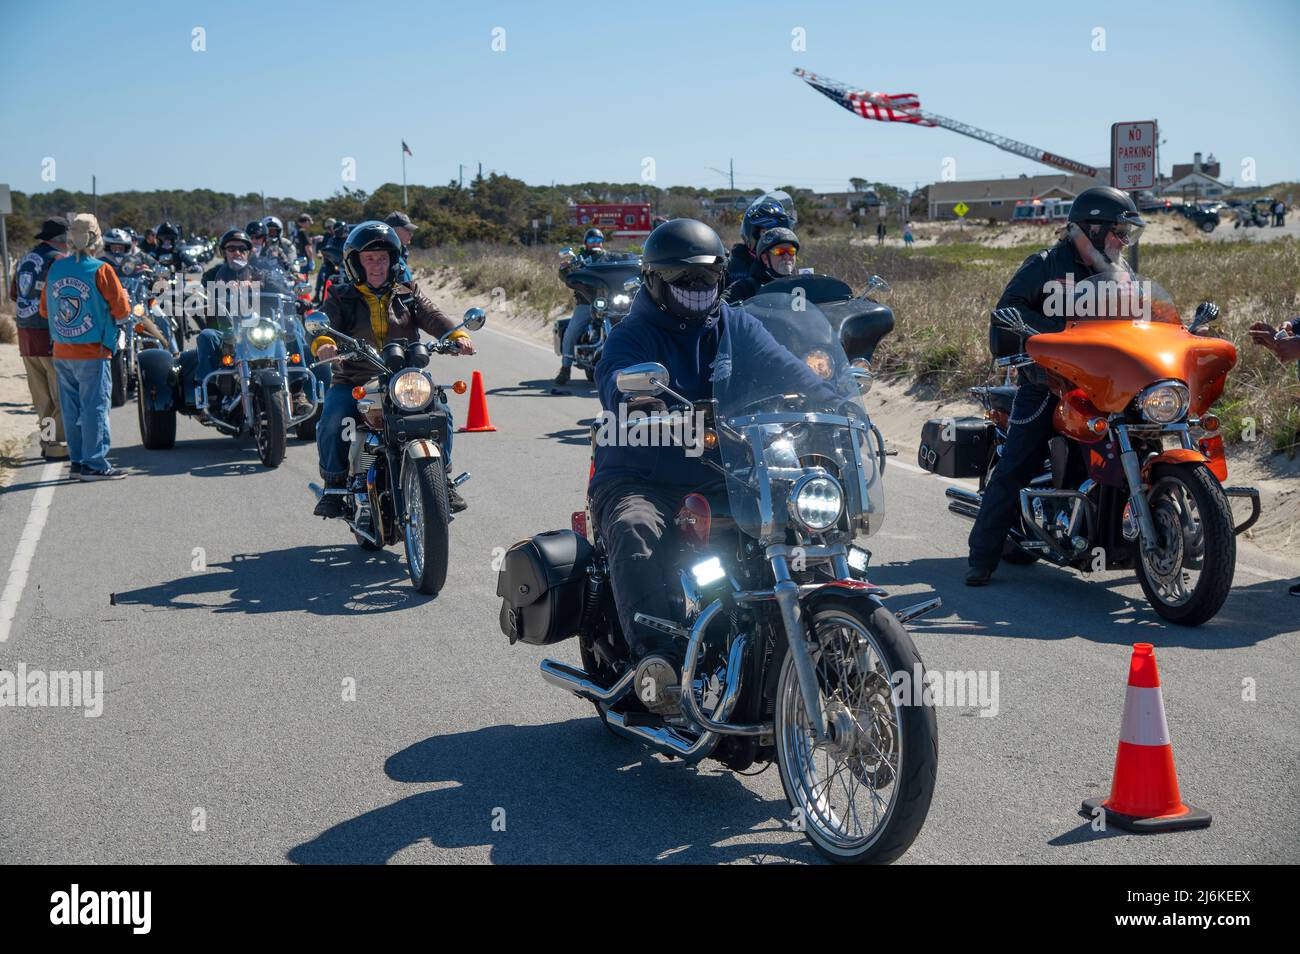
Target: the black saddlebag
pixel 956 446
pixel 541 587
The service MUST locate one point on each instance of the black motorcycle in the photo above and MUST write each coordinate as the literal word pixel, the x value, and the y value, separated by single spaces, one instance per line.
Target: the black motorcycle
pixel 397 476
pixel 789 652
pixel 608 284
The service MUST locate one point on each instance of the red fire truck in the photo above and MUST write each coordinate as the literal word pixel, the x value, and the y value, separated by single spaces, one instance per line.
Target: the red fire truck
pixel 615 219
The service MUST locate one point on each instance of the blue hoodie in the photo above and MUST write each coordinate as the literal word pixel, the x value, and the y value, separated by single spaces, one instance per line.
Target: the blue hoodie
pixel 687 349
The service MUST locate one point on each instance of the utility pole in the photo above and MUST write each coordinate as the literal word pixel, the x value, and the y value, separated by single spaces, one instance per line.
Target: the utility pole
pixel 94 198
pixel 731 164
pixel 460 176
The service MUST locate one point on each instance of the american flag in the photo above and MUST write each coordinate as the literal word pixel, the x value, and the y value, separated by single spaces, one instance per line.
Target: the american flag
pixel 406 149
pixel 885 107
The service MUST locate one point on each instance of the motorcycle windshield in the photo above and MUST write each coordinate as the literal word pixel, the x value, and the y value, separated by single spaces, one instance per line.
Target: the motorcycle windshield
pixel 793 432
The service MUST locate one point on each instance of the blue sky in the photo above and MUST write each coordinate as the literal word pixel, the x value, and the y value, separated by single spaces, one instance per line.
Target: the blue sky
pixel 285 91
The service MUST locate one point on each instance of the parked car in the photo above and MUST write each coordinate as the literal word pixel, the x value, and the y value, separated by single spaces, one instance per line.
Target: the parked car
pixel 1204 220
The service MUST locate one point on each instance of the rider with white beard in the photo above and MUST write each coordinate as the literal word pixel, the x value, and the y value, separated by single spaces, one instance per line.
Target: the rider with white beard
pixel 774 257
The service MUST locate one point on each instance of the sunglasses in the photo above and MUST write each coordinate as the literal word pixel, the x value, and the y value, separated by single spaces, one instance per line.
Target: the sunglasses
pixel 782 250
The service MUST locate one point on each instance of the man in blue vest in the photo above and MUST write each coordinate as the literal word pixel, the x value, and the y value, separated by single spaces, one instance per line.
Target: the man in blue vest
pixel 34 332
pixel 84 301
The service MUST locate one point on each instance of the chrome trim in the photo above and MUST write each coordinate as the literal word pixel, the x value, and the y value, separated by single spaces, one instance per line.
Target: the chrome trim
pixel 1137 492
pixel 735 668
pixel 786 592
pixel 910 613
pixel 812 417
pixel 1027 517
pixel 579 683
pixel 764 484
pixel 808 476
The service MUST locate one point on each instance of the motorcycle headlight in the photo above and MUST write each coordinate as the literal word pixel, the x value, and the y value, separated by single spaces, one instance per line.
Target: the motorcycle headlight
pixel 622 302
pixel 599 304
pixel 816 501
pixel 1164 403
pixel 412 390
pixel 262 334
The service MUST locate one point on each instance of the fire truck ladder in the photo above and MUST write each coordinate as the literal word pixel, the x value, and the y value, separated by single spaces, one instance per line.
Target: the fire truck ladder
pixel 843 94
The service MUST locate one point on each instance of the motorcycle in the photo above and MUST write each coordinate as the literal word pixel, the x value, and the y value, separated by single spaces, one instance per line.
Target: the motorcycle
pixel 859 321
pixel 790 655
pixel 397 478
pixel 1135 470
pixel 248 394
pixel 609 284
pixel 131 336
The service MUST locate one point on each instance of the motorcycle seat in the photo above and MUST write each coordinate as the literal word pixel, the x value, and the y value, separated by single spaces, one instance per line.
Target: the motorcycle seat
pixel 1000 398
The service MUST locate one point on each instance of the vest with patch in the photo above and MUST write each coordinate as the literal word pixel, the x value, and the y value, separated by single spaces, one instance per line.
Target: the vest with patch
pixel 78 312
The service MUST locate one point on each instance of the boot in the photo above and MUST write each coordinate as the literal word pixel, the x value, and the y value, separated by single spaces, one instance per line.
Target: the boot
pixel 563 376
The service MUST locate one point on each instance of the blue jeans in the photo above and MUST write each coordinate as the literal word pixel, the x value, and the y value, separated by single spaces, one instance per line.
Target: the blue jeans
pixel 332 449
pixel 85 395
pixel 200 361
pixel 1021 461
pixel 577 325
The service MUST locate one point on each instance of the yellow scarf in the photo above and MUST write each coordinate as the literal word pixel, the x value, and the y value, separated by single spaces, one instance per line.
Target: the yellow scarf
pixel 378 312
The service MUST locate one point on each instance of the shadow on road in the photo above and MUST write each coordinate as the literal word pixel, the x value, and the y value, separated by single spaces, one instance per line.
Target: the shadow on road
pixel 571 793
pixel 1046 602
pixel 325 581
pixel 544 387
pixel 217 456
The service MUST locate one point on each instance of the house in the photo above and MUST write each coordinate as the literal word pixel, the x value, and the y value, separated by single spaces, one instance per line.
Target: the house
pixel 1194 180
pixel 997 198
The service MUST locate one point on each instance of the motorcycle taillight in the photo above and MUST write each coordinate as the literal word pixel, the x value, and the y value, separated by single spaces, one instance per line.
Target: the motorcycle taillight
pixel 695 519
pixel 578 522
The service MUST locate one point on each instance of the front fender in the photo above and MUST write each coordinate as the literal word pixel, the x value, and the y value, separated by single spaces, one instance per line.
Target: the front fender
pixel 158 378
pixel 266 378
pixel 861 591
pixel 422 448
pixel 1175 455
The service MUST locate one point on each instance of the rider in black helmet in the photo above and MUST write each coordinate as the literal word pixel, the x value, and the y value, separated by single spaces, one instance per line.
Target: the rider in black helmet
pixel 677 319
pixel 376 306
pixel 1103 222
pixel 593 250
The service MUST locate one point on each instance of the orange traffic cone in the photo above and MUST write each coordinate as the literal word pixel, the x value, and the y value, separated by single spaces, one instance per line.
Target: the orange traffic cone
pixel 1144 794
pixel 478 419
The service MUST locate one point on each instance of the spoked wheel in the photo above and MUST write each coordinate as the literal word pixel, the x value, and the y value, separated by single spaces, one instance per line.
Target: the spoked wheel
pixel 269 416
pixel 1186 578
pixel 863 794
pixel 424 487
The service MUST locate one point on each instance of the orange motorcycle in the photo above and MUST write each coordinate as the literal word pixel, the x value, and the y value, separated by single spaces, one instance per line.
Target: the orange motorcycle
pixel 1135 471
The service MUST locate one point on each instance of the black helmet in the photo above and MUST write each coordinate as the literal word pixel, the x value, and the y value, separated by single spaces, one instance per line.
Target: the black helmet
pixel 255 229
pixel 683 267
pixel 1102 210
pixel 765 212
pixel 593 235
pixel 235 235
pixel 167 232
pixel 341 229
pixel 372 237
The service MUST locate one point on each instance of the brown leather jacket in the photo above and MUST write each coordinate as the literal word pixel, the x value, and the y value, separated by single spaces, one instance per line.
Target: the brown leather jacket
pixel 409 312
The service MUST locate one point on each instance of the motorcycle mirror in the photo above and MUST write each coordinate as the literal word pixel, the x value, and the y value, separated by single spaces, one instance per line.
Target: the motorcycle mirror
pixel 315 327
pixel 631 285
pixel 567 253
pixel 647 378
pixel 876 287
pixel 475 318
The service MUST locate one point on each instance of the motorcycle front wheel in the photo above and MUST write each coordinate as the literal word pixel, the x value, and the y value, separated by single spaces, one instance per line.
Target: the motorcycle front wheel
pixel 424 487
pixel 270 418
pixel 1187 576
pixel 862 795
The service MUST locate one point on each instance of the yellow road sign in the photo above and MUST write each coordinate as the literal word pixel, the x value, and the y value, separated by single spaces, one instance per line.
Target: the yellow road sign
pixel 961 208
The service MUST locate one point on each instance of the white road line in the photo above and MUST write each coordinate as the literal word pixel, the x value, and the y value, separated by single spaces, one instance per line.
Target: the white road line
pixel 520 339
pixel 17 581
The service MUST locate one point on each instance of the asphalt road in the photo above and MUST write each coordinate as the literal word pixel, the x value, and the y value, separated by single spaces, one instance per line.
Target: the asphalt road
pixel 223 687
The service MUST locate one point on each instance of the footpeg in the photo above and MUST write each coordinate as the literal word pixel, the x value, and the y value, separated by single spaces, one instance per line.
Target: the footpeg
pixel 456 482
pixel 662 625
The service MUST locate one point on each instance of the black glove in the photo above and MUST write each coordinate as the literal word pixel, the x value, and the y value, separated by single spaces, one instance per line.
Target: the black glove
pixel 647 404
pixel 1206 311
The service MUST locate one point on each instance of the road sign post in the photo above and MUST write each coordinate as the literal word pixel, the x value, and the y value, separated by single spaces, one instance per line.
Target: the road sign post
pixel 6 209
pixel 1133 162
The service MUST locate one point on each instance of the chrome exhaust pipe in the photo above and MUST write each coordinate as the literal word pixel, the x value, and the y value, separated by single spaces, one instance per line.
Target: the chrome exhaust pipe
pixel 669 740
pixel 576 681
pixel 963 509
pixel 962 495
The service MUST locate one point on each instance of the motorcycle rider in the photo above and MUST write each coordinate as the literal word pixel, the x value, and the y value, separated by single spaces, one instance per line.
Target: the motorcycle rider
pixel 374 306
pixel 303 245
pixel 277 245
pixel 331 251
pixel 401 223
pixel 765 212
pixel 149 244
pixel 127 262
pixel 775 258
pixel 678 320
pixel 168 251
pixel 1103 222
pixel 593 250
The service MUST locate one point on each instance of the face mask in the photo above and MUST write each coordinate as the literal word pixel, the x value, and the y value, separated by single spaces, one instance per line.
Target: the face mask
pixel 694 302
pixel 782 264
pixel 237 259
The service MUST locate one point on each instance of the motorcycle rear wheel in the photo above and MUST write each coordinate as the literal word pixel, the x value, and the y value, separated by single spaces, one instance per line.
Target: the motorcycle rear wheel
pixel 878 744
pixel 1194 521
pixel 157 428
pixel 424 529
